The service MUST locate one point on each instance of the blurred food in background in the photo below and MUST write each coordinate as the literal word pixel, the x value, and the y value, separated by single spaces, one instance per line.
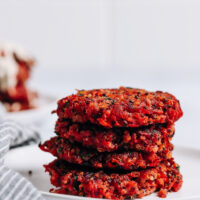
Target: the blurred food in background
pixel 15 68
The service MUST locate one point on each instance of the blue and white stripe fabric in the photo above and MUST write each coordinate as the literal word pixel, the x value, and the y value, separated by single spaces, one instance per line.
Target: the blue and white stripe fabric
pixel 12 185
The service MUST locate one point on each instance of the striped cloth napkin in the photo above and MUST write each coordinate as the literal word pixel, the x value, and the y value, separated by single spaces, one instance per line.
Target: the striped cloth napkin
pixel 13 186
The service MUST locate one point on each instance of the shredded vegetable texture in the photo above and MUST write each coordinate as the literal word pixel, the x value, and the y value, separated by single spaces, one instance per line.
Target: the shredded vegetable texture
pixel 130 160
pixel 154 138
pixel 74 180
pixel 114 144
pixel 123 107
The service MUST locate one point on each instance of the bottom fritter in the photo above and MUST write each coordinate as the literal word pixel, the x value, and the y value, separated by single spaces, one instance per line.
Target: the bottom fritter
pixel 76 180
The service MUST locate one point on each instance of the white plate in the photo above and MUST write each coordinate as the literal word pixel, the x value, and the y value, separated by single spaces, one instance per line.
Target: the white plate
pixel 46 103
pixel 32 158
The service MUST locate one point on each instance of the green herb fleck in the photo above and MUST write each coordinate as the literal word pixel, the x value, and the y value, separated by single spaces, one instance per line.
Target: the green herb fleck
pixel 134 197
pixel 66 103
pixel 178 167
pixel 59 150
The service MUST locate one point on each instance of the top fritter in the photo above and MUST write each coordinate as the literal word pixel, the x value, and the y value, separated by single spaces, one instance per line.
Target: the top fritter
pixel 122 107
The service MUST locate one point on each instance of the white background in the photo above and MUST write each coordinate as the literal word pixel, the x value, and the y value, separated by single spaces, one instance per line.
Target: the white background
pixel 105 33
pixel 152 44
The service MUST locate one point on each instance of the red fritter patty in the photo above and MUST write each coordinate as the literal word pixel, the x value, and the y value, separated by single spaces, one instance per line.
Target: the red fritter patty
pixel 154 138
pixel 72 153
pixel 76 180
pixel 122 107
pixel 19 97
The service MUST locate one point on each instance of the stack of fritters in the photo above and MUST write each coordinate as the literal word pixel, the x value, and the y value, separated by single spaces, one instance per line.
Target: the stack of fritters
pixel 115 144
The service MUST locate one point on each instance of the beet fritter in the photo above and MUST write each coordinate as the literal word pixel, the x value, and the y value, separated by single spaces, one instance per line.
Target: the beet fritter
pixel 130 160
pixel 78 180
pixel 123 107
pixel 154 138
